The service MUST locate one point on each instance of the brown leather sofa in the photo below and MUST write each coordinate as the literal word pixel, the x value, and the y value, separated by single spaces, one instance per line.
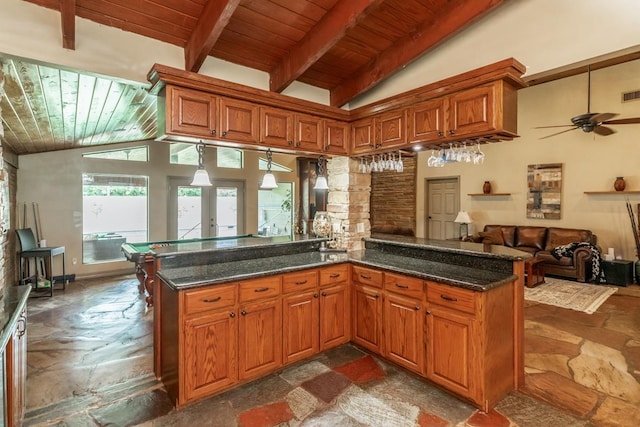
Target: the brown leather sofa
pixel 540 241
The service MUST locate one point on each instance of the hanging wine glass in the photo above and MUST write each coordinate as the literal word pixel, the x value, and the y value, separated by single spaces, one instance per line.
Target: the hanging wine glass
pixel 399 164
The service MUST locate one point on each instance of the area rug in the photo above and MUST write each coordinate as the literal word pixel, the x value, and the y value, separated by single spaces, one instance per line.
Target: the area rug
pixel 585 297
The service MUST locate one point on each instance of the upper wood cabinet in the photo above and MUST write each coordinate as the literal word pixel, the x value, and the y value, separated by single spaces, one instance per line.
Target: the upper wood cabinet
pixel 239 121
pixel 276 127
pixel 387 130
pixel 309 132
pixel 336 137
pixel 425 121
pixel 472 111
pixel 362 136
pixel 191 112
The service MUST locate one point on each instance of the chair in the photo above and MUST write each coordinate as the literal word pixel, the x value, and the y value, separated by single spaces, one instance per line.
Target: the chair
pixel 30 250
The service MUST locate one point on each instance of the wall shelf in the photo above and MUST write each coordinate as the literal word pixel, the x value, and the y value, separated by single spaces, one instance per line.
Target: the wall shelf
pixel 613 192
pixel 487 195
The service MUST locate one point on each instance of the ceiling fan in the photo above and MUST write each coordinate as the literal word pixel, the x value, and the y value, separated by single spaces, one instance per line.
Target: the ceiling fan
pixel 592 122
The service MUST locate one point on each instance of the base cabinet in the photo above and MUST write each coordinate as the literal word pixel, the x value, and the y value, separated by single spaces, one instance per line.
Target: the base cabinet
pixel 334 315
pixel 260 339
pixel 404 332
pixel 367 317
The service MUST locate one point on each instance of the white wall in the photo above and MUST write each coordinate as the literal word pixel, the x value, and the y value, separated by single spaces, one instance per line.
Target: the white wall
pixel 54 181
pixel 590 162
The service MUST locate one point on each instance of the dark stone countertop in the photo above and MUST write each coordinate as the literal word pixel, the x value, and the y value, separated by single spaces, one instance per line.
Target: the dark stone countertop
pixel 12 302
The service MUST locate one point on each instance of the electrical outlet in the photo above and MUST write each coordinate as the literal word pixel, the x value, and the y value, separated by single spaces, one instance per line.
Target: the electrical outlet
pixel 360 227
pixel 74 261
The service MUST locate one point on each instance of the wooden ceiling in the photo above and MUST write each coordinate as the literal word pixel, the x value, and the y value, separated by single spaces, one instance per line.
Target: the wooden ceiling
pixel 344 46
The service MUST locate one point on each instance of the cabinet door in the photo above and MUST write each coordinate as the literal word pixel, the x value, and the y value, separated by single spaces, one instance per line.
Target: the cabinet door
pixel 260 338
pixel 449 350
pixel 238 121
pixel 391 129
pixel 210 354
pixel 192 112
pixel 300 326
pixel 426 121
pixel 404 332
pixel 16 371
pixel 309 132
pixel 362 138
pixel 472 111
pixel 367 317
pixel 276 127
pixel 334 316
pixel 336 136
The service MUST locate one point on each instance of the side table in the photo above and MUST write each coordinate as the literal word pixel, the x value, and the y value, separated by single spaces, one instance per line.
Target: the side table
pixel 534 272
pixel 618 272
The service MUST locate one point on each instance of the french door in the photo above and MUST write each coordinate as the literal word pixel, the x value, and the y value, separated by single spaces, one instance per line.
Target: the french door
pixel 196 212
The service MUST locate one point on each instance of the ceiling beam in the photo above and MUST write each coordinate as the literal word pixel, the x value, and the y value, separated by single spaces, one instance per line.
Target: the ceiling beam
pixel 68 18
pixel 425 37
pixel 215 16
pixel 327 32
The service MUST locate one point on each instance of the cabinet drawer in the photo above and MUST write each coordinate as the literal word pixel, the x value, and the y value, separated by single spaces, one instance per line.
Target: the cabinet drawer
pixel 210 298
pixel 251 290
pixel 451 297
pixel 409 286
pixel 334 274
pixel 367 276
pixel 300 281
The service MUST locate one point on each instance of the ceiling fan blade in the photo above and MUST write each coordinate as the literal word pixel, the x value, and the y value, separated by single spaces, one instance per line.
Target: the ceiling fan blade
pixel 599 118
pixel 558 133
pixel 603 130
pixel 629 121
pixel 548 127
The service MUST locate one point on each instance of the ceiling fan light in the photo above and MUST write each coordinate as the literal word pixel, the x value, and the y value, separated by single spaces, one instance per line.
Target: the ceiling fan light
pixel 268 182
pixel 201 179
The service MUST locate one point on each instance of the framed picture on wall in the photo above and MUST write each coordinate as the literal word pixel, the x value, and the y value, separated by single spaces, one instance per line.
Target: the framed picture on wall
pixel 544 191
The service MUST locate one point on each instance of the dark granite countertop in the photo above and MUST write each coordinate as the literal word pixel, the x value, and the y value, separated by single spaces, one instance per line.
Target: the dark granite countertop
pixel 199 275
pixel 12 302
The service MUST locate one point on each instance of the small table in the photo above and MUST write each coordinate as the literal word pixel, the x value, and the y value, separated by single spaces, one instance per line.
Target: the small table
pixel 534 272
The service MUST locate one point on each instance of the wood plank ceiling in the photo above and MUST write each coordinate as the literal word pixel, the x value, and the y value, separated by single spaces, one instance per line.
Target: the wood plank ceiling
pixel 344 46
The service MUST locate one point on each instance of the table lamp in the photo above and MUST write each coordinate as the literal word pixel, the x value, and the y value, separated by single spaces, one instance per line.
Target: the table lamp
pixel 464 220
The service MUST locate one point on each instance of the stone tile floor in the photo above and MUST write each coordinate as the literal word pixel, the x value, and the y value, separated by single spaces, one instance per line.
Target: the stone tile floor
pixel 90 364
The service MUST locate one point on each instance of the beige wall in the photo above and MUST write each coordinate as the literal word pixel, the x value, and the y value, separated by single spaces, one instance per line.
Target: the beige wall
pixel 590 162
pixel 54 181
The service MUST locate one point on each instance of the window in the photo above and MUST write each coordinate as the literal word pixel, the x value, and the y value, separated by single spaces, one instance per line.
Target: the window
pixel 229 158
pixel 133 154
pixel 114 211
pixel 275 213
pixel 183 154
pixel 276 167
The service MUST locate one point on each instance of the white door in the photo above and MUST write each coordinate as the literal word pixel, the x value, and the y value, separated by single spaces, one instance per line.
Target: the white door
pixel 443 202
pixel 196 212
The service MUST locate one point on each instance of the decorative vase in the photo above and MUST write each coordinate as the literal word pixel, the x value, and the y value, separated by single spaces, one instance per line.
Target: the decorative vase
pixel 619 184
pixel 321 224
pixel 486 187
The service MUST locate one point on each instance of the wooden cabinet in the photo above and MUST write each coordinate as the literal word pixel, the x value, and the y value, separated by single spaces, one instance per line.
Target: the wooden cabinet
pixel 425 121
pixel 16 372
pixel 191 112
pixel 367 317
pixel 259 338
pixel 335 308
pixel 381 132
pixel 336 137
pixel 308 132
pixel 472 111
pixel 276 127
pixel 362 136
pixel 239 121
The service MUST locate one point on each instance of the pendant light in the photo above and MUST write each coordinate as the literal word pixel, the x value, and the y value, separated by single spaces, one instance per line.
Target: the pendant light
pixel 201 177
pixel 321 180
pixel 268 181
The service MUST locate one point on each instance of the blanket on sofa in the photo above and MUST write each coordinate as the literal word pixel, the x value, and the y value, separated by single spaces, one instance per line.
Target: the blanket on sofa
pixel 567 250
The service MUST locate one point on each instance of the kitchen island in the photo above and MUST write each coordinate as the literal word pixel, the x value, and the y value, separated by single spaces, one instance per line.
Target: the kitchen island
pixel 449 311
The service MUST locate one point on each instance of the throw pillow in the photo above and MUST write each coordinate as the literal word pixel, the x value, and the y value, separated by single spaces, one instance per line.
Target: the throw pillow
pixel 493 237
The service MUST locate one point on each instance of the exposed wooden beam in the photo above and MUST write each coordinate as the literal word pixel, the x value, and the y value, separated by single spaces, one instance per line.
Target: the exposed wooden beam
pixel 215 16
pixel 425 37
pixel 68 17
pixel 331 28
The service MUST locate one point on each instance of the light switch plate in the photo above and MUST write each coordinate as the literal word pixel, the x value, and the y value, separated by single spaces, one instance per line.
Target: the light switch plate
pixel 360 227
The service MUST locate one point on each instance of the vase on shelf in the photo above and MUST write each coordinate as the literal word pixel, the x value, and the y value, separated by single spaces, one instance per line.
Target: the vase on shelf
pixel 486 187
pixel 321 224
pixel 619 184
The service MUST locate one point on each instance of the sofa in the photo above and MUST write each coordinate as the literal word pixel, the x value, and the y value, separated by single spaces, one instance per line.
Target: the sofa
pixel 540 242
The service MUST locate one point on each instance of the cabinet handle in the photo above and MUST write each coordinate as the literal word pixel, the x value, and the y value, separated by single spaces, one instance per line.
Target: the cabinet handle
pixel 301 282
pixel 326 148
pixel 371 146
pixel 417 307
pixel 289 143
pixel 324 294
pixel 213 132
pixel 452 132
pixel 261 290
pixel 334 276
pixel 402 286
pixel 377 295
pixel 224 134
pixel 244 313
pixel 365 276
pixel 378 145
pixel 315 295
pixel 232 314
pixel 216 299
pixel 440 134
pixel 448 298
pixel 427 312
pixel 298 144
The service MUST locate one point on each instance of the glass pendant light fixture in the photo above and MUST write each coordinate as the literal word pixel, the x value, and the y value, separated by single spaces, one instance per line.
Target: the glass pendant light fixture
pixel 268 181
pixel 321 180
pixel 201 177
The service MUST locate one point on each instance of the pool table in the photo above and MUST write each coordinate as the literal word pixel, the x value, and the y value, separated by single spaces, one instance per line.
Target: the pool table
pixel 144 255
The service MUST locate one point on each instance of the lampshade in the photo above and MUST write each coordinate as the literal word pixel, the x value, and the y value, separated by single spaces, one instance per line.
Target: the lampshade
pixel 321 183
pixel 268 182
pixel 462 218
pixel 201 179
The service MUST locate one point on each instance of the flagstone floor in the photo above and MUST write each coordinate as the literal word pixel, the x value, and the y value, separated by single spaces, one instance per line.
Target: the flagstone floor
pixel 90 364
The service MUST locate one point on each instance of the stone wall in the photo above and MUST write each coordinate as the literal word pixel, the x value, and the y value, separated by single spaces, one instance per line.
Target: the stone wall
pixel 348 200
pixel 393 196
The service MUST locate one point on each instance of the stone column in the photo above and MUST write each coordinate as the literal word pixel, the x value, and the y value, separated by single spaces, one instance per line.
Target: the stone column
pixel 348 199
